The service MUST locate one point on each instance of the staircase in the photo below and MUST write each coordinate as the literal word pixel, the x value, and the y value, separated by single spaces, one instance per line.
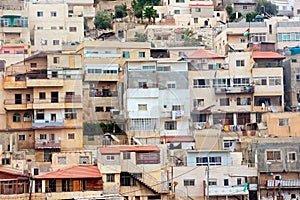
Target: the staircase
pixel 146 179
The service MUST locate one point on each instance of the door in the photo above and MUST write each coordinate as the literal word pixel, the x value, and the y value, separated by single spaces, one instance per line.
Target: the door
pixel 76 185
pixel 54 97
pixel 18 98
pixel 53 117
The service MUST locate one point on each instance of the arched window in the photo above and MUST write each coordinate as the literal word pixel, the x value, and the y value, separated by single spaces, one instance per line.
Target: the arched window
pixel 16 117
pixel 27 117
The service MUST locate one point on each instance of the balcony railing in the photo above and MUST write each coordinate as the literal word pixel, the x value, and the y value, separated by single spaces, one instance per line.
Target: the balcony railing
pixel 234 190
pixel 46 123
pixel 283 183
pixel 47 144
pixel 235 90
pixel 103 93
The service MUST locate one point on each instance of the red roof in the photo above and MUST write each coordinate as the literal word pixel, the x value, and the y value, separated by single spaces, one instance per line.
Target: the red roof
pixel 203 53
pixel 73 172
pixel 131 148
pixel 169 139
pixel 12 171
pixel 266 55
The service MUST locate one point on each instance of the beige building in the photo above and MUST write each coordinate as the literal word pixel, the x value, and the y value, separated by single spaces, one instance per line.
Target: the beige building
pixel 51 25
pixel 43 106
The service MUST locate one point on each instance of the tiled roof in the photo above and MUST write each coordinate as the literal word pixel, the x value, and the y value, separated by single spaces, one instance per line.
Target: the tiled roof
pixel 266 54
pixel 73 172
pixel 12 171
pixel 131 148
pixel 168 139
pixel 203 53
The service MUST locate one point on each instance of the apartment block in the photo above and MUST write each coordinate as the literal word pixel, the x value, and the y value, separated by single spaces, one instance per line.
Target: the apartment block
pixel 43 106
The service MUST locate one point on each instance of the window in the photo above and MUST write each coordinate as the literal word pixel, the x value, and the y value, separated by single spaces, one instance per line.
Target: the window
pixel 43 136
pixel 99 109
pixel 228 143
pixel 17 117
pixel 226 182
pixel 171 85
pixel 91 138
pixel 260 81
pixel 197 9
pixel 189 182
pixel 242 40
pixel 110 178
pixel 70 113
pixel 125 180
pixel 198 102
pixel 33 65
pixel 84 160
pixel 108 108
pixel 274 81
pixel 212 182
pixel 27 117
pixel 126 155
pixel 55 60
pixel 239 181
pixel 195 20
pixel 240 63
pixel 204 161
pixel 53 14
pixel 55 42
pixel 5 161
pixel 142 54
pixel 39 28
pixel 224 102
pixel 143 84
pixel 273 155
pixel 71 136
pixel 292 156
pixel 164 68
pixel 237 82
pixel 142 107
pixel 53 27
pixel 110 157
pixel 39 14
pixel 42 95
pixel 54 74
pixel 297 77
pixel 221 82
pixel 150 68
pixel 72 29
pixel 177 12
pixel 143 124
pixel 126 54
pixel 148 158
pixel 201 83
pixel 170 125
pixel 61 160
pixel 40 115
pixel 244 7
pixel 283 122
pixel 22 137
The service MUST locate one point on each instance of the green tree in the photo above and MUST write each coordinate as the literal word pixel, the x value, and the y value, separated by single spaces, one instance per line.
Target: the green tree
pixel 189 39
pixel 233 18
pixel 250 17
pixel 150 13
pixel 120 11
pixel 85 24
pixel 103 20
pixel 229 10
pixel 140 37
pixel 269 7
pixel 139 5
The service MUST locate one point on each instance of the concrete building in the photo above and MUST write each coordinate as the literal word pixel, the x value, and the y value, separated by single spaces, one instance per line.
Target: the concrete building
pixel 51 26
pixel 278 167
pixel 42 107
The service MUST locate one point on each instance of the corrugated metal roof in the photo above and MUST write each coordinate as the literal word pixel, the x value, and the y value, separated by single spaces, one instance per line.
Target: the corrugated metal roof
pixel 73 172
pixel 266 55
pixel 203 53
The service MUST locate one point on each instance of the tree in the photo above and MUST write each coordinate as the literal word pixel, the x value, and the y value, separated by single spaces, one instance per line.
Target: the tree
pixel 85 24
pixel 140 37
pixel 233 16
pixel 150 13
pixel 250 17
pixel 189 39
pixel 139 5
pixel 103 20
pixel 120 11
pixel 229 10
pixel 269 7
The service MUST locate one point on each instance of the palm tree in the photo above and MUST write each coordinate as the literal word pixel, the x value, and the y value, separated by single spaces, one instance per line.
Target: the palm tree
pixel 150 13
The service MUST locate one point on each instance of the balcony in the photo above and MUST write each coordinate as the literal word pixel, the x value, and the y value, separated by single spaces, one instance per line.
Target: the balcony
pixel 12 82
pixel 103 93
pixel 47 144
pixel 49 103
pixel 227 191
pixel 73 101
pixel 284 183
pixel 235 90
pixel 46 123
pixel 17 104
pixel 44 82
pixel 101 77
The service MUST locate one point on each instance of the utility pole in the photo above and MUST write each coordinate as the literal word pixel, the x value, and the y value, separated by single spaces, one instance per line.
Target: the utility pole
pixel 207 184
